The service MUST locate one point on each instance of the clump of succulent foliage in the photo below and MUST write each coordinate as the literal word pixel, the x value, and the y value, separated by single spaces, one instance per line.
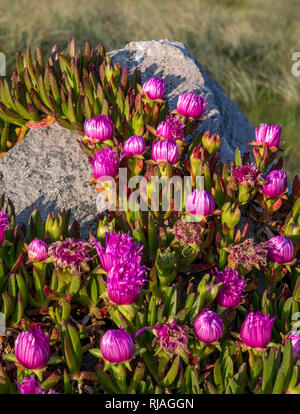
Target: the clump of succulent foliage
pixel 202 299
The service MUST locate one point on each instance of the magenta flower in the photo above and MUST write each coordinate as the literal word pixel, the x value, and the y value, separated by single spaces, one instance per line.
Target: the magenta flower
pixel 230 293
pixel 119 247
pixel 117 346
pixel 191 105
pixel 276 183
pixel 70 254
pixel 105 163
pixel 124 281
pixel 32 349
pixel 100 127
pixel 200 202
pixel 37 251
pixel 3 225
pixel 256 330
pixel 31 385
pixel 172 337
pixel 134 146
pixel 270 134
pixel 171 128
pixel 208 326
pixel 280 249
pixel 154 88
pixel 295 339
pixel 165 151
pixel 247 174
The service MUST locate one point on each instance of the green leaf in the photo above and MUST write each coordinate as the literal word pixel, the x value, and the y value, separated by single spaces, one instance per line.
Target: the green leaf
pixel 218 377
pixel 172 373
pixel 279 383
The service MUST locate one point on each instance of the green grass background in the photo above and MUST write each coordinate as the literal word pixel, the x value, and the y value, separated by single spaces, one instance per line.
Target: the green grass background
pixel 246 45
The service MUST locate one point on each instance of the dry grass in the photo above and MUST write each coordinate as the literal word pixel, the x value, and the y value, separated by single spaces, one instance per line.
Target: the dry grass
pixel 245 45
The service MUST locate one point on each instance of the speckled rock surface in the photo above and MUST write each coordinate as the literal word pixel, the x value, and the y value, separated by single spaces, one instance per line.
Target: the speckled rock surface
pixel 183 73
pixel 48 170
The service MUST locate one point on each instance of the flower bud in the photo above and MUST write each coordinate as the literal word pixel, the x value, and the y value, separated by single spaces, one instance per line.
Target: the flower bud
pixel 295 339
pixel 231 215
pixel 276 183
pixel 32 349
pixel 37 250
pixel 117 346
pixel 208 326
pixel 100 127
pixel 200 203
pixel 171 128
pixel 230 293
pixel 211 142
pixel 280 249
pixel 3 225
pixel 191 105
pixel 256 330
pixel 270 134
pixel 105 163
pixel 134 146
pixel 165 151
pixel 154 88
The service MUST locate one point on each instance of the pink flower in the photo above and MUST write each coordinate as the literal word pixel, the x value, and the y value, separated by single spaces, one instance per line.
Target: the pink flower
pixel 280 249
pixel 191 105
pixel 3 225
pixel 32 349
pixel 105 163
pixel 256 329
pixel 134 146
pixel 165 151
pixel 208 326
pixel 117 346
pixel 276 183
pixel 200 203
pixel 171 128
pixel 230 293
pixel 100 127
pixel 37 251
pixel 154 88
pixel 270 134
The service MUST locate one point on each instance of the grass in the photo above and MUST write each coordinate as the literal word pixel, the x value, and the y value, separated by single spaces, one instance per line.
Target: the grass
pixel 245 45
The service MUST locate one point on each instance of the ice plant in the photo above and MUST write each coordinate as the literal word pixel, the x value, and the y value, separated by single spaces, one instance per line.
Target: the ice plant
pixel 119 247
pixel 191 105
pixel 188 233
pixel 280 249
pixel 171 129
pixel 37 251
pixel 200 203
pixel 295 339
pixel 247 255
pixel 276 183
pixel 270 134
pixel 256 329
pixel 117 346
pixel 134 146
pixel 100 128
pixel 165 151
pixel 3 225
pixel 172 337
pixel 70 253
pixel 105 163
pixel 32 349
pixel 154 88
pixel 208 326
pixel 247 174
pixel 231 291
pixel 31 385
pixel 125 280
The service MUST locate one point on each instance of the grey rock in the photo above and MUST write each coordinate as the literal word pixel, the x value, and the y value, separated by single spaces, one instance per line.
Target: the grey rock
pixel 48 170
pixel 183 73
